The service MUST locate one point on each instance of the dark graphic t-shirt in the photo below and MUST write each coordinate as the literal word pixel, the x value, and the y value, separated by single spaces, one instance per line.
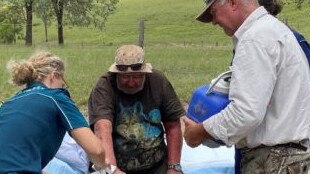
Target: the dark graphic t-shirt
pixel 137 119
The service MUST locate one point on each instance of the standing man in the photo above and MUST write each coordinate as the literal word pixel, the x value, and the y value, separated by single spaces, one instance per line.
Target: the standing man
pixel 274 7
pixel 269 113
pixel 131 108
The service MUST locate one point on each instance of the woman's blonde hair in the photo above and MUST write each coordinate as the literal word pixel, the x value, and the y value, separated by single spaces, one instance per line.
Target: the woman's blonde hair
pixel 36 68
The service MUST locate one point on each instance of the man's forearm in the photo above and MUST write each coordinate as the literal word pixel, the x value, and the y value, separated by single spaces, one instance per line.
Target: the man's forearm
pixel 103 130
pixel 91 144
pixel 174 141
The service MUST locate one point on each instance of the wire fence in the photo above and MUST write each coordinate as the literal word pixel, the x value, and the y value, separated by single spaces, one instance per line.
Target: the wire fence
pixel 52 41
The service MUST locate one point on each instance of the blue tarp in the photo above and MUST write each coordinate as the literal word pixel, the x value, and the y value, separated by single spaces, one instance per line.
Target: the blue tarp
pixel 204 160
pixel 199 160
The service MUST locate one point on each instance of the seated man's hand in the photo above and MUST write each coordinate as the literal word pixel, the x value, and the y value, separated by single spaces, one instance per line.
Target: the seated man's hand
pixel 118 171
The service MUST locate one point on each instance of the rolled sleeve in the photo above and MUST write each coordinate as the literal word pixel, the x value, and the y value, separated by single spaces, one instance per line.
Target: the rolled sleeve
pixel 250 91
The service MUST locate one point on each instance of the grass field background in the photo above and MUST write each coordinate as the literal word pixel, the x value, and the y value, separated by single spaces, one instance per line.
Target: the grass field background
pixel 188 52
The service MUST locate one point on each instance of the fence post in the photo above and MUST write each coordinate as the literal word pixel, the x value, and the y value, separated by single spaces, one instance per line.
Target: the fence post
pixel 141 33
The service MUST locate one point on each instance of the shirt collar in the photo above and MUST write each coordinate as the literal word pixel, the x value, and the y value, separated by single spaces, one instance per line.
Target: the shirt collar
pixel 39 85
pixel 249 21
pixel 36 84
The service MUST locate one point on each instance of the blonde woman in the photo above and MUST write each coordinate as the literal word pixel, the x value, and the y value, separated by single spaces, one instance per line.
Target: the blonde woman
pixel 35 120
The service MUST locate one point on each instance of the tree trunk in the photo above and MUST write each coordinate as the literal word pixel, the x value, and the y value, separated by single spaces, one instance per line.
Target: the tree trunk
pixel 58 6
pixel 45 30
pixel 14 29
pixel 28 39
pixel 60 30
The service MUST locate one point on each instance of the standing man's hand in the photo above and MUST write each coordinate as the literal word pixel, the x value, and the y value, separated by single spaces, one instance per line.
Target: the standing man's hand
pixel 194 133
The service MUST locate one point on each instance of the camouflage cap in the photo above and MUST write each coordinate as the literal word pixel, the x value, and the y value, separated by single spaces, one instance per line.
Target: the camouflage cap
pixel 129 55
pixel 205 15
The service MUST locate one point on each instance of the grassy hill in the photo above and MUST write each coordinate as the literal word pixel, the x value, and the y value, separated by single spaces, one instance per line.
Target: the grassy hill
pixel 188 52
pixel 166 22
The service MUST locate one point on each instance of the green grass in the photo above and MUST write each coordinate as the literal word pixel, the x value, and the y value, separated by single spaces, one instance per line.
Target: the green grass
pixel 188 52
pixel 165 22
pixel 182 65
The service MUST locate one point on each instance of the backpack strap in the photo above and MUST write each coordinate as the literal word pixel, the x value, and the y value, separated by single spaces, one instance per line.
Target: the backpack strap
pixel 303 44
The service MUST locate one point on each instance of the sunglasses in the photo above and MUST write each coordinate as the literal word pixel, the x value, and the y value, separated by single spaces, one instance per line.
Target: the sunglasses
pixel 65 85
pixel 134 67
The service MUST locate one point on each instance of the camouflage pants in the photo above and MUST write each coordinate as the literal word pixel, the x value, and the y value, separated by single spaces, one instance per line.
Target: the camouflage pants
pixel 275 160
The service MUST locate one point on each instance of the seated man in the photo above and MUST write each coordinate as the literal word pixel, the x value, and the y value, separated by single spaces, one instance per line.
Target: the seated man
pixel 132 108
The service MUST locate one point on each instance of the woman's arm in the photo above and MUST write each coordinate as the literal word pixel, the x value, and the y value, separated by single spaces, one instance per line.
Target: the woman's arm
pixel 91 144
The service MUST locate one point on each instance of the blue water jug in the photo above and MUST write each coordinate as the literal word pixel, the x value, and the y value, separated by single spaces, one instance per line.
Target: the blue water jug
pixel 208 100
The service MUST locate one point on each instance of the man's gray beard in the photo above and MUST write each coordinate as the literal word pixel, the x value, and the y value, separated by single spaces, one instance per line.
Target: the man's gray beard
pixel 132 92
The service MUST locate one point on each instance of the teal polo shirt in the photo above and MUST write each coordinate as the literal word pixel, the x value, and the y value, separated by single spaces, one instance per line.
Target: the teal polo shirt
pixel 33 124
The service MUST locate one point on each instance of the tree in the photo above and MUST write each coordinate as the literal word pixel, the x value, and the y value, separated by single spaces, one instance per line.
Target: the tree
pixel 28 37
pixel 82 13
pixel 44 11
pixel 20 10
pixel 75 12
pixel 58 6
pixel 11 17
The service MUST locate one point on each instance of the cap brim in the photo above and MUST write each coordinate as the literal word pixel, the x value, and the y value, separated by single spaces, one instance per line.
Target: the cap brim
pixel 205 15
pixel 146 68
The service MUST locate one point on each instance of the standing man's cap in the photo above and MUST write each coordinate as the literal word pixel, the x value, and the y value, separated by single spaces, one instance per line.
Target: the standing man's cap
pixel 130 58
pixel 205 15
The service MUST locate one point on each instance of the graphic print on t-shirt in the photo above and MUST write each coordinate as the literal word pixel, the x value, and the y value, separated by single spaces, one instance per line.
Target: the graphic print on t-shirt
pixel 134 124
pixel 138 136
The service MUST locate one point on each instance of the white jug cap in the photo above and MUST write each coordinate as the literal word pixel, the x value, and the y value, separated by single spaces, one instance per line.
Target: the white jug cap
pixel 221 86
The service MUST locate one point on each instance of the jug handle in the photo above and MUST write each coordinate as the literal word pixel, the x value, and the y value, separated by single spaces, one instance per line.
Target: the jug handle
pixel 223 75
